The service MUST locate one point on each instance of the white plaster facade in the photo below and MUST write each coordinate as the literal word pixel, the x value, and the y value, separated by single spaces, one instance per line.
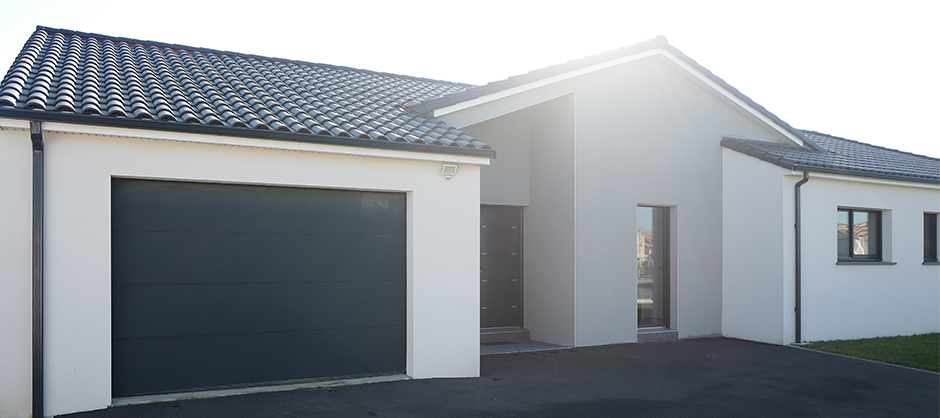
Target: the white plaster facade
pixel 80 161
pixel 580 154
pixel 843 301
pixel 839 300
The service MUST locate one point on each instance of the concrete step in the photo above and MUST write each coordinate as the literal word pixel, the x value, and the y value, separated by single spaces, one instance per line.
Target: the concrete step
pixel 656 335
pixel 503 335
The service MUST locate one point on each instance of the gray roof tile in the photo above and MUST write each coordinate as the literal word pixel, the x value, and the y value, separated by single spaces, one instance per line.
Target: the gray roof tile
pixel 62 72
pixel 841 156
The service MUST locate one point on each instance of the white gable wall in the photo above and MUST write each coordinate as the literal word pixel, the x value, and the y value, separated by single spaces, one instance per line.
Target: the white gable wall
pixel 643 133
pixel 443 233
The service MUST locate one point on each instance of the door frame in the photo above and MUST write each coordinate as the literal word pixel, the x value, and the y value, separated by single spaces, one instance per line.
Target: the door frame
pixel 670 221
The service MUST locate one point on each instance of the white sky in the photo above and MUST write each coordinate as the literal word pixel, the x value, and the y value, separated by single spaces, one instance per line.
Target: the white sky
pixel 862 70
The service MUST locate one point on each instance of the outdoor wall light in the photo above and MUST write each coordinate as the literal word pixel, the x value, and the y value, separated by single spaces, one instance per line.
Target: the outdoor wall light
pixel 449 171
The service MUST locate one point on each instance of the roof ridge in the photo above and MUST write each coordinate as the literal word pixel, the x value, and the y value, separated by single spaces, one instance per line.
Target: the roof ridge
pixel 870 145
pixel 238 54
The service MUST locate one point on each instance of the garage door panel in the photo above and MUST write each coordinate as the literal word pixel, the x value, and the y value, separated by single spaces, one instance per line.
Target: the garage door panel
pixel 219 285
pixel 165 364
pixel 157 257
pixel 186 310
pixel 143 205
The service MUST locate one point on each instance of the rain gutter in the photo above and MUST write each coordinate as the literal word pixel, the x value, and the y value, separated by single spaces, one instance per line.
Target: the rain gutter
pixel 35 135
pixel 798 309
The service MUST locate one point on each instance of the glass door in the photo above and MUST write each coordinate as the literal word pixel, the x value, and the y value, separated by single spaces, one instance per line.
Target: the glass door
pixel 652 266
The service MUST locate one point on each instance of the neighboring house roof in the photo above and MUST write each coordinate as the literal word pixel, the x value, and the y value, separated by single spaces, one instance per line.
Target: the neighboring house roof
pixel 84 78
pixel 428 106
pixel 842 156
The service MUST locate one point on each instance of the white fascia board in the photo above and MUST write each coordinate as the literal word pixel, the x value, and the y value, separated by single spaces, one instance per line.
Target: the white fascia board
pixel 13 124
pixel 243 142
pixel 701 77
pixel 540 83
pixel 864 180
pixel 749 138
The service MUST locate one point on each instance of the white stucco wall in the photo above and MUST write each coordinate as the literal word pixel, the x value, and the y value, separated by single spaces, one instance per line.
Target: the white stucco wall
pixel 507 176
pixel 644 133
pixel 549 242
pixel 858 301
pixel 16 196
pixel 756 240
pixel 443 236
pixel 839 301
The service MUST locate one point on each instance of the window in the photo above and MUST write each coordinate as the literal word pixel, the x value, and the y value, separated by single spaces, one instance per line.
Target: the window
pixel 930 237
pixel 859 235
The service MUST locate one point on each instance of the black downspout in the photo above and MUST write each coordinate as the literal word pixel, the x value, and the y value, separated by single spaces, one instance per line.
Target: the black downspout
pixel 799 276
pixel 35 135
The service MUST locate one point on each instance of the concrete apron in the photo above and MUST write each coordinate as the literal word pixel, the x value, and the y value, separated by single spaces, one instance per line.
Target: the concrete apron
pixel 202 394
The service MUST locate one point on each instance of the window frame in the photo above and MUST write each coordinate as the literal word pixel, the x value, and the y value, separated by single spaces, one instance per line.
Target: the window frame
pixel 930 238
pixel 878 254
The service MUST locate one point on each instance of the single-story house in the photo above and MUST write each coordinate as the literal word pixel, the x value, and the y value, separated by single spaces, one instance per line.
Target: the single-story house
pixel 179 218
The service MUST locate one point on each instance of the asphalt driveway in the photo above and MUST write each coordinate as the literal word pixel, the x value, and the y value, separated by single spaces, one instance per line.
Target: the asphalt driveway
pixel 690 378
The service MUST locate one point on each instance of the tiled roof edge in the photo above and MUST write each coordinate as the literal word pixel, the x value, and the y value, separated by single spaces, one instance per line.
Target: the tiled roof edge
pixel 238 54
pixel 746 148
pixel 739 145
pixel 870 145
pixel 182 127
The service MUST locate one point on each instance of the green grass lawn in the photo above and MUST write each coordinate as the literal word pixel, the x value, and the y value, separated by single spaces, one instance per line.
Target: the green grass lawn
pixel 919 351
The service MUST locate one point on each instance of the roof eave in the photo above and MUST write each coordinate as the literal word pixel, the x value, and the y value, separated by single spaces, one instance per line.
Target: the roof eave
pixel 852 173
pixel 189 128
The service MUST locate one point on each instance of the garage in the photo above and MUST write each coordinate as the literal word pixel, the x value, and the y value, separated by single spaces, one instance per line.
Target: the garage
pixel 222 285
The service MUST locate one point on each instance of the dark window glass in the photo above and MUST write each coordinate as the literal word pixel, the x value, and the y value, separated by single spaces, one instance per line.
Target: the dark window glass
pixel 858 234
pixel 930 237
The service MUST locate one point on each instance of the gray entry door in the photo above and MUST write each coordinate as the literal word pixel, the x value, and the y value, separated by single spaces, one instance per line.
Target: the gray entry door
pixel 500 266
pixel 227 285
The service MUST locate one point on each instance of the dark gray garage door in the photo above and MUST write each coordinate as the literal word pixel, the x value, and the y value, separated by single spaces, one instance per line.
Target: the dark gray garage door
pixel 221 285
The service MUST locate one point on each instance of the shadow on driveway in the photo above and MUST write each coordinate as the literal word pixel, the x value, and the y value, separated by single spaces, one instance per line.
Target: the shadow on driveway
pixel 691 378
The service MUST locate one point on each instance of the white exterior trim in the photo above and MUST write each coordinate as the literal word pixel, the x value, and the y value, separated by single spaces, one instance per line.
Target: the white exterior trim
pixel 495 115
pixel 698 75
pixel 540 83
pixel 822 176
pixel 67 128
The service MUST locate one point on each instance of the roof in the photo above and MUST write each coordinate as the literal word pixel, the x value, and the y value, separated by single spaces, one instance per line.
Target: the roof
pixel 84 78
pixel 427 106
pixel 842 156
